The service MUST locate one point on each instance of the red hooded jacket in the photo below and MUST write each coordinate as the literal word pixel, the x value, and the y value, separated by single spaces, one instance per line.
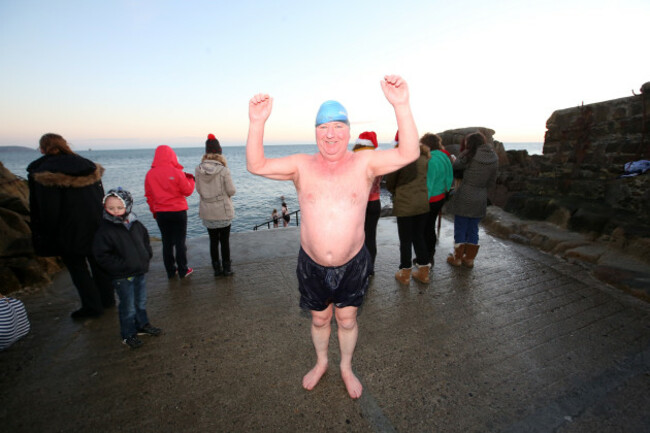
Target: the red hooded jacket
pixel 166 185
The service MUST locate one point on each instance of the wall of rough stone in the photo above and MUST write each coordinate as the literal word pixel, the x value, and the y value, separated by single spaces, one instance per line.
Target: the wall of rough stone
pixel 602 134
pixel 576 183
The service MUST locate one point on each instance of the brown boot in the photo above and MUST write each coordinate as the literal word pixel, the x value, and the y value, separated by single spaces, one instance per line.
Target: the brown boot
pixel 404 276
pixel 422 274
pixel 456 258
pixel 470 253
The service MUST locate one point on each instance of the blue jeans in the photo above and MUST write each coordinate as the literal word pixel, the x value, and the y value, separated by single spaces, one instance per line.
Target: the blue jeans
pixel 132 292
pixel 466 230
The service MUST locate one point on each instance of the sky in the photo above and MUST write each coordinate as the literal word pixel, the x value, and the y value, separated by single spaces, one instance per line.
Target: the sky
pixel 120 74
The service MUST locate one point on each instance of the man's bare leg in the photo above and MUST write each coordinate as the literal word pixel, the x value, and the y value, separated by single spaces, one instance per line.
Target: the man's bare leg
pixel 321 328
pixel 348 331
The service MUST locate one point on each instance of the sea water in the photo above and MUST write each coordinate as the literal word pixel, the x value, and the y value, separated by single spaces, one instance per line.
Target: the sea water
pixel 254 201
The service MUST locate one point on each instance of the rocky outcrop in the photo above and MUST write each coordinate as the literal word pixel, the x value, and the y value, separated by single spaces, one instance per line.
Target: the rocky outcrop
pixel 20 268
pixel 452 138
pixel 576 183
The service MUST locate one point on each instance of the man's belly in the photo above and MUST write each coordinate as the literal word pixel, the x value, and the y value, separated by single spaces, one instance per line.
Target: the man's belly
pixel 331 247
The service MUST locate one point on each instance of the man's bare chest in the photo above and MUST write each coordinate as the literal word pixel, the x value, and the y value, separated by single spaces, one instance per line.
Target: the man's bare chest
pixel 321 187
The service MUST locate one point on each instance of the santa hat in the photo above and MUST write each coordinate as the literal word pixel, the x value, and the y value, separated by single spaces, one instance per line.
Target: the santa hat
pixel 367 138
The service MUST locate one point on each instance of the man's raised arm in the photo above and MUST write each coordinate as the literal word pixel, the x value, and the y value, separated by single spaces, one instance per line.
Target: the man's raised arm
pixel 259 110
pixel 397 93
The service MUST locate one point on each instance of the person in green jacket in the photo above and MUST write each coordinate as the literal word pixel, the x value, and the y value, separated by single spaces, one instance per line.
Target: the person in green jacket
pixel 440 176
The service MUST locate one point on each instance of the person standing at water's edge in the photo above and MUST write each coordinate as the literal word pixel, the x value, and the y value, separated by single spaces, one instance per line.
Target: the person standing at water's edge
pixel 166 187
pixel 333 187
pixel 285 215
pixel 215 187
pixel 274 217
pixel 65 198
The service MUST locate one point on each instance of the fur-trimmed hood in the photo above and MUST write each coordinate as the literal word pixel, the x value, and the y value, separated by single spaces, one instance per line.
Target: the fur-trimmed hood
pixel 212 167
pixel 69 171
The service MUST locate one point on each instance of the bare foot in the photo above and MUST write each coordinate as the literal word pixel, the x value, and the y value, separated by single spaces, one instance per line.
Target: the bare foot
pixel 311 379
pixel 352 384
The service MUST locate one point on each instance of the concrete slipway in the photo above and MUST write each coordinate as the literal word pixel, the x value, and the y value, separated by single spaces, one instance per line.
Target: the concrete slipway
pixel 524 342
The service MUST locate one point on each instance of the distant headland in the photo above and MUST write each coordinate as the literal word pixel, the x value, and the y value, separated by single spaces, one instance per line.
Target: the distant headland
pixel 17 149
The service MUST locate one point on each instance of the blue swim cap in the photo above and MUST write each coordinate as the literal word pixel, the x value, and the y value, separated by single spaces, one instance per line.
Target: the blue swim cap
pixel 332 111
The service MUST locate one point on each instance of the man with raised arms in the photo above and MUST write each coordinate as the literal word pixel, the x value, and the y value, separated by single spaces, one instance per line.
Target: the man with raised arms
pixel 332 187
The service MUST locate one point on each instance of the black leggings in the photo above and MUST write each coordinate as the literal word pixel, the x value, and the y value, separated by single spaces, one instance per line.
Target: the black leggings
pixel 373 211
pixel 173 229
pixel 434 210
pixel 94 287
pixel 410 230
pixel 220 236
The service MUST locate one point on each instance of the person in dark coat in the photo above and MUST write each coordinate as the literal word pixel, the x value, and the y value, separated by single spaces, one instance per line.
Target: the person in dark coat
pixel 479 164
pixel 123 250
pixel 65 197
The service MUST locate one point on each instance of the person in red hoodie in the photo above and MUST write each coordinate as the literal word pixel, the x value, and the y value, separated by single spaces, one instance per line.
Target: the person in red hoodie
pixel 166 187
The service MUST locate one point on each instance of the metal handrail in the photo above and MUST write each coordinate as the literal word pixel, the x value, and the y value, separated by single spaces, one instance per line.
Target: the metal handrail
pixel 269 222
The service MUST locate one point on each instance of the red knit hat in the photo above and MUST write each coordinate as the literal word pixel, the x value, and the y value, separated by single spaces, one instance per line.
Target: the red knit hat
pixel 367 138
pixel 212 145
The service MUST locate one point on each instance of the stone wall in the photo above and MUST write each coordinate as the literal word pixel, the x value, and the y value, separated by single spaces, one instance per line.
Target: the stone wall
pixel 19 267
pixel 576 183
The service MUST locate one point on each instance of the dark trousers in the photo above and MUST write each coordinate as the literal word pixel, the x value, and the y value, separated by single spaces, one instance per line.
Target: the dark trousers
pixel 373 211
pixel 173 229
pixel 220 236
pixel 94 287
pixel 434 210
pixel 410 230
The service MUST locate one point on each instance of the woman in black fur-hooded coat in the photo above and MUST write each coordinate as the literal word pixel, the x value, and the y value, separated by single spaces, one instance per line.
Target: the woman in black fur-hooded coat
pixel 65 197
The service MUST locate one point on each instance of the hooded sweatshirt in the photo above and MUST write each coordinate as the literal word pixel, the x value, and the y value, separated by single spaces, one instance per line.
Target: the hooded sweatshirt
pixel 166 185
pixel 215 187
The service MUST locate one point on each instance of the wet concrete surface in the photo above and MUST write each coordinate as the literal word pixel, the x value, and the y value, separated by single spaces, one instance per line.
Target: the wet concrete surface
pixel 523 342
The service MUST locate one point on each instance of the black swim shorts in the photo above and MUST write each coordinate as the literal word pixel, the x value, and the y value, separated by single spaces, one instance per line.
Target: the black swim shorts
pixel 344 285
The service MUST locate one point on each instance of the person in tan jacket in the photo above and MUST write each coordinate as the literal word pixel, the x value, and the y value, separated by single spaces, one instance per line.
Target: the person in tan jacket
pixel 215 187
